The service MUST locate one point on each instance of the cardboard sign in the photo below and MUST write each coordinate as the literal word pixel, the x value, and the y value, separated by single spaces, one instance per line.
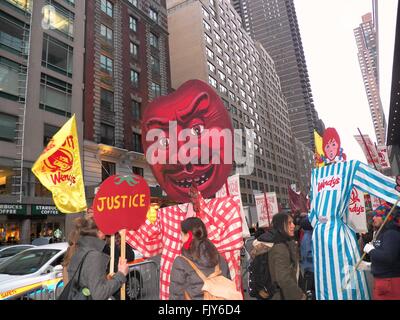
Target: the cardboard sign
pixel 383 157
pixel 369 149
pixel 121 202
pixel 232 188
pixel 265 212
pixel 357 219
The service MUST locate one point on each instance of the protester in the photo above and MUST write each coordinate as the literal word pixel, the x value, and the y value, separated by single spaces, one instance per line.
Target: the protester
pixel 72 246
pixel 94 267
pixel 306 255
pixel 283 259
pixel 203 253
pixel 384 253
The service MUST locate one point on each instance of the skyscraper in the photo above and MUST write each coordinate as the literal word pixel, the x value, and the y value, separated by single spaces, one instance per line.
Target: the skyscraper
pixel 207 42
pixel 367 44
pixel 274 24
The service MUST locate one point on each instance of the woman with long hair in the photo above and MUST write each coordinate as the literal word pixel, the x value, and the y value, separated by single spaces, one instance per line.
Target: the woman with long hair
pixel 185 283
pixel 89 247
pixel 284 259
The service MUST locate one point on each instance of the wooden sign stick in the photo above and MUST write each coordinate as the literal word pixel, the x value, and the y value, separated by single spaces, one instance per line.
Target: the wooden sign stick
pixel 123 256
pixel 112 254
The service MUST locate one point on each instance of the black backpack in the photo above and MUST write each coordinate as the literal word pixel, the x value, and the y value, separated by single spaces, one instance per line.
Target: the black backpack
pixel 260 282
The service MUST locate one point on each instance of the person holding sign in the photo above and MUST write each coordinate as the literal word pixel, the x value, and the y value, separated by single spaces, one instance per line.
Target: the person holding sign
pixel 385 255
pixel 93 271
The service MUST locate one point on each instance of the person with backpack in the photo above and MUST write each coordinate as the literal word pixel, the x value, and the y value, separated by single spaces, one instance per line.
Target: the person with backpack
pixel 260 285
pixel 283 260
pixel 200 267
pixel 87 268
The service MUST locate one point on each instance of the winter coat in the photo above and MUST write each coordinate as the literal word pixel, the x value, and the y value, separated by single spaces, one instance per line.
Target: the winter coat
pixel 283 266
pixel 385 258
pixel 94 269
pixel 184 278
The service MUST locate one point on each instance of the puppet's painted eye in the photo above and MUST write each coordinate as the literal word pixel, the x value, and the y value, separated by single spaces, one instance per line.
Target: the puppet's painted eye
pixel 197 129
pixel 164 142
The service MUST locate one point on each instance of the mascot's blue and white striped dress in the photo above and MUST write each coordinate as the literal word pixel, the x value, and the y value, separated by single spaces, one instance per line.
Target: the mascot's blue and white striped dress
pixel 335 248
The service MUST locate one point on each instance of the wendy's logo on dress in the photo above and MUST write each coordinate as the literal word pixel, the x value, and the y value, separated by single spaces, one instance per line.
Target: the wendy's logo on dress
pixel 329 183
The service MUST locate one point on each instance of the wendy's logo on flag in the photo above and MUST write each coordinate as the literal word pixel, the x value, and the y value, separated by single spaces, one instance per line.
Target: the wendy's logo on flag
pixel 354 198
pixel 356 206
pixel 329 183
pixel 61 160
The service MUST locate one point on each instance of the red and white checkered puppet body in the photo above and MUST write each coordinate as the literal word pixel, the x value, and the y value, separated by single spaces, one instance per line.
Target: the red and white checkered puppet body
pixel 222 219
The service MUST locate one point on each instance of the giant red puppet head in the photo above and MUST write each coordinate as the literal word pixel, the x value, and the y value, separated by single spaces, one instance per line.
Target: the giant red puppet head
pixel 187 137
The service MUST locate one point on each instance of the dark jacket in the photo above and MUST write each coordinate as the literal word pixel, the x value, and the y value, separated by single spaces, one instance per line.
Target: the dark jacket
pixel 184 278
pixel 129 254
pixel 94 269
pixel 283 265
pixel 385 258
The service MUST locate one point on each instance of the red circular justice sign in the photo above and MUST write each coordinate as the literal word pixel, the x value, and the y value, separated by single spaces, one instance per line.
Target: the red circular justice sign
pixel 121 202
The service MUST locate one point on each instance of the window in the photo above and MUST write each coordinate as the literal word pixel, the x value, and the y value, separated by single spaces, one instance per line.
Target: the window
pixel 106 32
pixel 134 2
pixel 57 55
pixel 137 142
pixel 134 49
pixel 212 81
pixel 9 83
pixel 154 40
pixel 8 125
pixel 221 75
pixel 223 89
pixel 49 132
pixel 107 169
pixel 55 95
pixel 58 19
pixel 107 7
pixel 220 62
pixel 106 99
pixel 208 39
pixel 211 67
pixel 219 49
pixel 133 23
pixel 11 33
pixel 206 26
pixel 136 113
pixel 138 171
pixel 210 54
pixel 155 90
pixel 135 78
pixel 106 64
pixel 153 14
pixel 155 65
pixel 107 134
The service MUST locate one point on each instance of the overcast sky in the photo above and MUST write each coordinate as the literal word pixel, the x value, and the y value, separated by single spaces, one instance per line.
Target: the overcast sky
pixel 326 28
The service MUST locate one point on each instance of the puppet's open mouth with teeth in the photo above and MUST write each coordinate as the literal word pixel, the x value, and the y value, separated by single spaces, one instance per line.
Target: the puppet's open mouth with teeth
pixel 200 175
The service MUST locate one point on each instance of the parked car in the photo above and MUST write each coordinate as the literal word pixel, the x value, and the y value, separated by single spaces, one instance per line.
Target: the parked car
pixel 42 240
pixel 6 252
pixel 33 270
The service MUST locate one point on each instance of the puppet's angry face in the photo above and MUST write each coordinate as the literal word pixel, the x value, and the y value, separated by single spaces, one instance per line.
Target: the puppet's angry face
pixel 187 137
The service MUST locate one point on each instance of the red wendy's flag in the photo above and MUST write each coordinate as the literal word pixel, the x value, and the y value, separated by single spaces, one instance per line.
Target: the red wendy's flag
pixel 297 201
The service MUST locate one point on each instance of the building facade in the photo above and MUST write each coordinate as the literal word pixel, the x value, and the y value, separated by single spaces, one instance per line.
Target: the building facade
pixel 367 45
pixel 126 67
pixel 274 24
pixel 41 86
pixel 207 42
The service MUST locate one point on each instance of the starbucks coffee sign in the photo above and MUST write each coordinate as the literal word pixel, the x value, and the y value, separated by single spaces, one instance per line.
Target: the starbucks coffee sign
pixel 44 210
pixel 15 209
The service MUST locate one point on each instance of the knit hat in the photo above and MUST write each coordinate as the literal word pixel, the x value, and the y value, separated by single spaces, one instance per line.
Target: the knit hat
pixel 383 210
